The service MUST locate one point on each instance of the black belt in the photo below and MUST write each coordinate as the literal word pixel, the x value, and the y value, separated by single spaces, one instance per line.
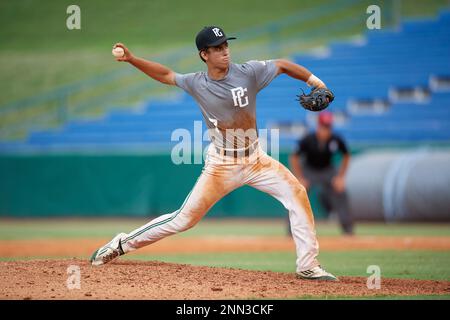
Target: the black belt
pixel 237 153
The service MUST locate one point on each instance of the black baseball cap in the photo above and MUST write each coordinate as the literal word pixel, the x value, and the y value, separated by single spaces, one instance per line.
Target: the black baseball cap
pixel 210 37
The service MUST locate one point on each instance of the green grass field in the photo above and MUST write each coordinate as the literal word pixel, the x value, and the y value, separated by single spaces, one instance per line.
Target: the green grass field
pixel 423 265
pixel 13 229
pixel 39 53
pixel 417 264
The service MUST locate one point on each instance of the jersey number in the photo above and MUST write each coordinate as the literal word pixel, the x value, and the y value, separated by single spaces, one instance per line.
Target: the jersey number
pixel 214 122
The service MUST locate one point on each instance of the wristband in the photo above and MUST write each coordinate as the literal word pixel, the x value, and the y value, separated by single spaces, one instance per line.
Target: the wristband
pixel 313 81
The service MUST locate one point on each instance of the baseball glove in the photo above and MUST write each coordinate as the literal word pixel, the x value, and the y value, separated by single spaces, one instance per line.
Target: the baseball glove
pixel 317 100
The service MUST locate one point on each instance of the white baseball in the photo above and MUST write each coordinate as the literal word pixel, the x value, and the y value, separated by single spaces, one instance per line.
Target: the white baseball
pixel 118 52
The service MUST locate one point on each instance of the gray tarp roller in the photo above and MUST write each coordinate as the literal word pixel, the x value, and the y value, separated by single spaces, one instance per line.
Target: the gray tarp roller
pixel 400 185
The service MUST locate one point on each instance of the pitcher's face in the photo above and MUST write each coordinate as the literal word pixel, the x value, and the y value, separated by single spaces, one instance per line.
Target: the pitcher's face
pixel 218 56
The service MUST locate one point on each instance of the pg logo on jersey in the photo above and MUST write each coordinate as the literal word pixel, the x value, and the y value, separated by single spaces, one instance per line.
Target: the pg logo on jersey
pixel 240 99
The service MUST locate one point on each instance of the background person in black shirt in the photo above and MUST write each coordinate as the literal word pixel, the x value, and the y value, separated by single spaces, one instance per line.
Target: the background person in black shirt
pixel 312 164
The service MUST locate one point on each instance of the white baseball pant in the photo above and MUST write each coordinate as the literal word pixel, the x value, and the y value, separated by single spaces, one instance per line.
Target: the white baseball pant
pixel 222 174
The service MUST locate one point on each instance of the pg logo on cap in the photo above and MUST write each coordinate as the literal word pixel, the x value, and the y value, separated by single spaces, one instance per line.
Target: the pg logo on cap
pixel 217 32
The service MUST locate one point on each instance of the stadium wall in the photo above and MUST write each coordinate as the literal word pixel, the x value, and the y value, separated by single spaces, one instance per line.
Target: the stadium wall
pixel 115 185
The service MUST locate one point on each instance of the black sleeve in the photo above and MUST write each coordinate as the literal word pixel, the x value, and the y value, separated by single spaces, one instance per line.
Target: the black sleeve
pixel 342 145
pixel 301 147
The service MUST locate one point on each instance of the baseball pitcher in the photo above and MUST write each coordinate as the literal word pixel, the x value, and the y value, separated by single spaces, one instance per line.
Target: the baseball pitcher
pixel 226 94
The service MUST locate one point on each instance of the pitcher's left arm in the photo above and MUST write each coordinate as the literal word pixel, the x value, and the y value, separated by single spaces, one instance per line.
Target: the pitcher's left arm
pixel 299 72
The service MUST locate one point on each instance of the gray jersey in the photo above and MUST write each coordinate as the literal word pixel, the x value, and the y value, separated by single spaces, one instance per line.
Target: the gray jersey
pixel 229 104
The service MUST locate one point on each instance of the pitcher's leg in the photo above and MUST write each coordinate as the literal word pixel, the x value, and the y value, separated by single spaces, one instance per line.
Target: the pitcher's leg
pixel 209 188
pixel 272 177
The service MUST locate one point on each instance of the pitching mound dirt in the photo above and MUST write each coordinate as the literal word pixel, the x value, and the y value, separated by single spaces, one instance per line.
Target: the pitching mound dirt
pixel 47 279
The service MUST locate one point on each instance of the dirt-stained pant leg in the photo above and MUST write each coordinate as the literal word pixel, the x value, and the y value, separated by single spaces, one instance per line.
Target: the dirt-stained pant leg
pixel 270 176
pixel 214 183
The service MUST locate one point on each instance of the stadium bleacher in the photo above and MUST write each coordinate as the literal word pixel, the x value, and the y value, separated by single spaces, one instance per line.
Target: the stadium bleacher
pixel 366 70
